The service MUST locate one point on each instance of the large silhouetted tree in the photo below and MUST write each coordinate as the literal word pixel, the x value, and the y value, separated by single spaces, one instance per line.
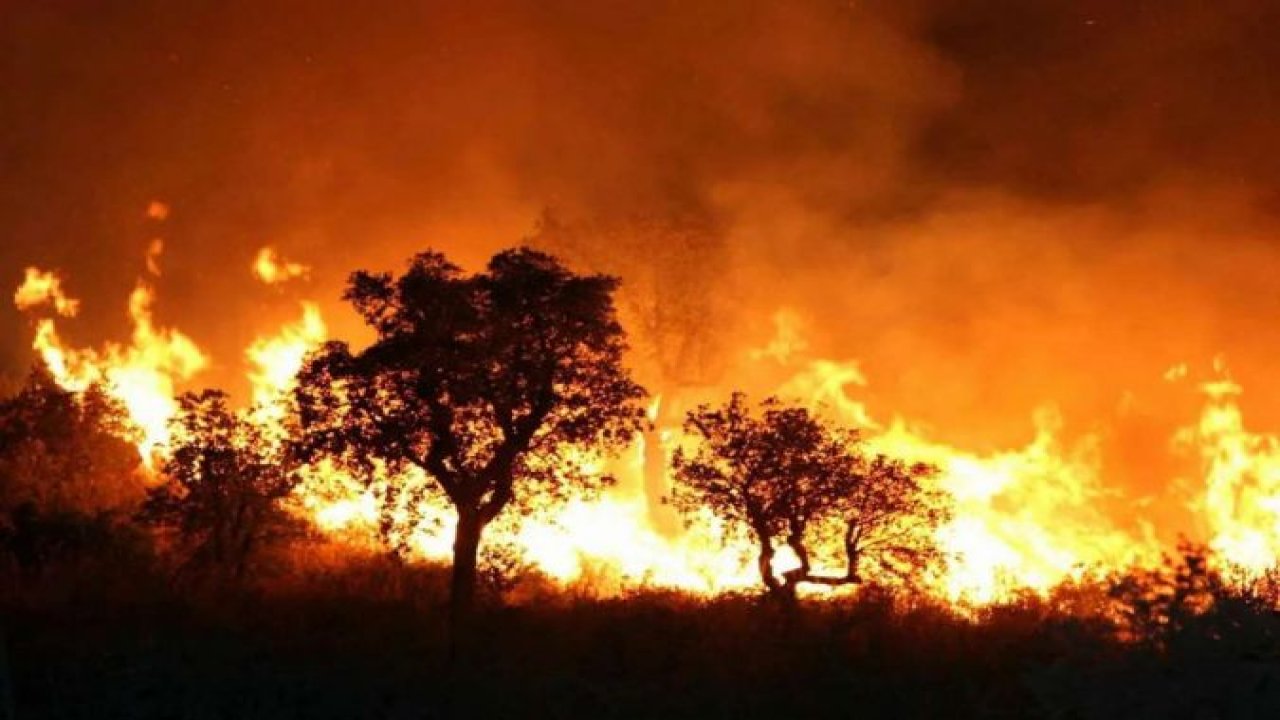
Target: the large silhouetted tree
pixel 225 480
pixel 783 476
pixel 482 381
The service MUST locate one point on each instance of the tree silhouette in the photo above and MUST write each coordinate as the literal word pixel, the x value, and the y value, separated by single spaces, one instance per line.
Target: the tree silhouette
pixel 484 382
pixel 786 478
pixel 64 451
pixel 225 480
pixel 68 468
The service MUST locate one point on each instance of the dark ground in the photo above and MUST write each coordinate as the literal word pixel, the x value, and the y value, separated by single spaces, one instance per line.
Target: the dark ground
pixel 371 643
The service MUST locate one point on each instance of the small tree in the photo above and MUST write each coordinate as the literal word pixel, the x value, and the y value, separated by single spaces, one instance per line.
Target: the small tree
pixel 63 451
pixel 224 483
pixel 68 469
pixel 785 477
pixel 484 382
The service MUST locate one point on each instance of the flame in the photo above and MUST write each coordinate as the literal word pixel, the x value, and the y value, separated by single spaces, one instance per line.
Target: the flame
pixel 272 269
pixel 1025 518
pixel 154 251
pixel 41 287
pixel 609 540
pixel 157 210
pixel 275 360
pixel 1241 502
pixel 145 374
pixel 142 375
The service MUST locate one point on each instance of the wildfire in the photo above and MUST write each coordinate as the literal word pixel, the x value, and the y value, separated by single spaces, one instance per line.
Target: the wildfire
pixel 142 375
pixel 1241 503
pixel 1025 518
pixel 275 360
pixel 42 287
pixel 145 374
pixel 272 269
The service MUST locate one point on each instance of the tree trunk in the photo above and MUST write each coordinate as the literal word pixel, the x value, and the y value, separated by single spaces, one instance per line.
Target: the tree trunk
pixel 462 590
pixel 778 589
pixel 852 536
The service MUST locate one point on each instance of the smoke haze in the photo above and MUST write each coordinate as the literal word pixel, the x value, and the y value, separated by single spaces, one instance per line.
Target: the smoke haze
pixel 992 206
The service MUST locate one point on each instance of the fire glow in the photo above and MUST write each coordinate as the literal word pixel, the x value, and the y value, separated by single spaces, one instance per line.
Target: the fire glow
pixel 1025 518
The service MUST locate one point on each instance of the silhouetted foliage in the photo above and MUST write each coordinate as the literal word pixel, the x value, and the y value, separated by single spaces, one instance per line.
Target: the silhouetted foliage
pixel 353 641
pixel 63 451
pixel 787 477
pixel 1196 638
pixel 225 480
pixel 89 553
pixel 67 470
pixel 483 382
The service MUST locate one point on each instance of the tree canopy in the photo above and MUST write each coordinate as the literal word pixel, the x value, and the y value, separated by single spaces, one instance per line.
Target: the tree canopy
pixel 488 383
pixel 786 477
pixel 225 481
pixel 64 451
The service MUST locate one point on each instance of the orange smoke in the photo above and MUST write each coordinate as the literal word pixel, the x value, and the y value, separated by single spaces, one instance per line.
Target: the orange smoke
pixel 272 269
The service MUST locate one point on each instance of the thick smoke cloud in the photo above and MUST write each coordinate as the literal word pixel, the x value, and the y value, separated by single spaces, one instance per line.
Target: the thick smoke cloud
pixel 992 205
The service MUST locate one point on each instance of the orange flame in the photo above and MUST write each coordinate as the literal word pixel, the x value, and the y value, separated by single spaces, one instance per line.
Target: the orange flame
pixel 272 269
pixel 141 375
pixel 1025 517
pixel 41 287
pixel 1241 502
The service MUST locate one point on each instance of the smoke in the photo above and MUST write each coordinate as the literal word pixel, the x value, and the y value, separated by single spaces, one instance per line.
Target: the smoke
pixel 992 206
